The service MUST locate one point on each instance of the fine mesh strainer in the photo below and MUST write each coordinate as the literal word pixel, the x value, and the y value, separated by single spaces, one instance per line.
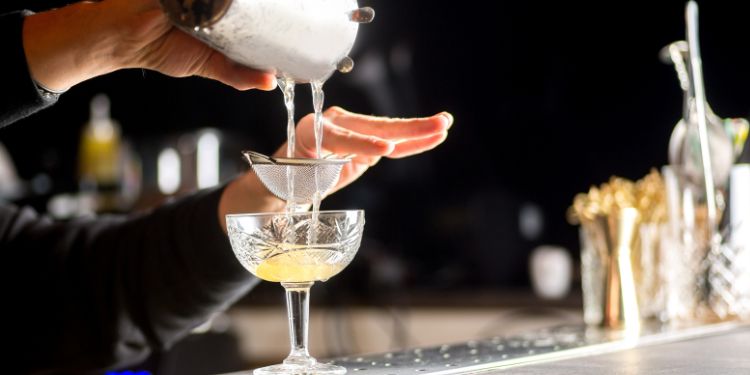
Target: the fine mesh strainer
pixel 274 173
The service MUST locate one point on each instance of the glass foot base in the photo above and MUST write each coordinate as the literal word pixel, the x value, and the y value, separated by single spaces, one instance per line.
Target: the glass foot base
pixel 314 369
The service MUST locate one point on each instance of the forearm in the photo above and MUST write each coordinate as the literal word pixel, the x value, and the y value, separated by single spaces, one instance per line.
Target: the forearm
pixel 102 292
pixel 69 45
pixel 177 267
pixel 57 49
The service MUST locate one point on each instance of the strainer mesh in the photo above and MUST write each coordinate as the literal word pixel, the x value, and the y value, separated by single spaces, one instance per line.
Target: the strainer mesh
pixel 274 178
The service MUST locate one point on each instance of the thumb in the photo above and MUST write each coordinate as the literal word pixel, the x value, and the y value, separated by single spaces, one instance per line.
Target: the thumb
pixel 221 68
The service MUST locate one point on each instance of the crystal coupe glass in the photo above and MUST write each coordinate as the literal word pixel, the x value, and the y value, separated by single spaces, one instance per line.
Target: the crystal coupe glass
pixel 296 250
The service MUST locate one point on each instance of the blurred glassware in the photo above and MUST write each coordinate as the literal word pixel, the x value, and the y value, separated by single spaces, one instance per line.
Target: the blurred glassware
pixel 131 184
pixel 707 284
pixel 685 254
pixel 702 270
pixel 180 163
pixel 593 268
pixel 649 278
pixel 11 186
pixel 68 206
pixel 704 283
pixel 551 269
pixel 738 129
pixel 168 168
pixel 684 144
pixel 739 208
pixel 683 268
pixel 729 276
pixel 703 147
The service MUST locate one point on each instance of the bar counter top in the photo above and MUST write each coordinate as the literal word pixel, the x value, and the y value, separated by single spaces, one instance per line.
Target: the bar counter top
pixel 710 349
pixel 726 354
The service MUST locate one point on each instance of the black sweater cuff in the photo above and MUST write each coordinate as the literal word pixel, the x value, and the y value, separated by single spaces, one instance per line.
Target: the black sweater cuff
pixel 21 96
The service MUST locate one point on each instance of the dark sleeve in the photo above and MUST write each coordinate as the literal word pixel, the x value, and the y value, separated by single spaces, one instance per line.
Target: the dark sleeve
pixel 101 293
pixel 20 95
pixel 745 157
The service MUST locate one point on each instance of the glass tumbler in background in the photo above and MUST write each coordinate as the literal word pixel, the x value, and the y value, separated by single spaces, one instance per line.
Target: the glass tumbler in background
pixel 685 253
pixel 593 266
pixel 729 276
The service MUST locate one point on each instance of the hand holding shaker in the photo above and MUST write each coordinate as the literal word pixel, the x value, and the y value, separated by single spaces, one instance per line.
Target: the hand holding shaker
pixel 305 40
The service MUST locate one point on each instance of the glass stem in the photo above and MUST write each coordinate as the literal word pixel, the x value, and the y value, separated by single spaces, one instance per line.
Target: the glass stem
pixel 298 311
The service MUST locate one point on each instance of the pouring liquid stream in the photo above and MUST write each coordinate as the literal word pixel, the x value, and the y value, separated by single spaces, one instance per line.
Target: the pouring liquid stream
pixel 287 86
pixel 318 101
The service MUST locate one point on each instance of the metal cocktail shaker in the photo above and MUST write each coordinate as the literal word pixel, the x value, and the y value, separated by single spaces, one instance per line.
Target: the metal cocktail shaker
pixel 306 40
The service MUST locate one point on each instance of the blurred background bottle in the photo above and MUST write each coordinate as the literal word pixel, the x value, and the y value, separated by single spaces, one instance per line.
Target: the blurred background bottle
pixel 108 169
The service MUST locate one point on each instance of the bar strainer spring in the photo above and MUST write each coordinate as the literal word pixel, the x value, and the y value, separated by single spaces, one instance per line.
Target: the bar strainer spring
pixel 274 173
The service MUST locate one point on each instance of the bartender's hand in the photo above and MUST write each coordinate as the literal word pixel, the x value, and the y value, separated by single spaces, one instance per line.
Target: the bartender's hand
pixel 84 40
pixel 366 138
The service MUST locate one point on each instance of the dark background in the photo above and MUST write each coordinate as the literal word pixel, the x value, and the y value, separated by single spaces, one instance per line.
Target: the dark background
pixel 549 98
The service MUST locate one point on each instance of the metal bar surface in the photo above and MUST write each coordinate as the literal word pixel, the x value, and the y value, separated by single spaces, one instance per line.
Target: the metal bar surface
pixel 499 353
